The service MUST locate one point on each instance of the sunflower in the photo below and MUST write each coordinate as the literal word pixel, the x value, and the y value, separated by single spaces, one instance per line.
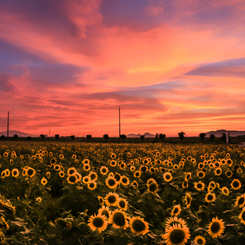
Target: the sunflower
pixel 57 167
pixel 188 199
pixel 111 199
pixel 61 174
pixel 111 182
pixel 153 187
pixel 210 197
pixel 200 240
pixel 242 216
pixel 175 220
pixel 113 155
pixel 138 226
pixel 236 184
pixel 86 167
pixel 185 184
pixel 118 219
pixel 104 210
pixel 72 179
pixel 92 185
pixel 97 222
pixel 86 179
pixel 48 175
pixel 15 172
pixel 44 181
pixel 218 171
pixel 61 156
pixel 199 186
pixel 228 173
pixel 200 174
pixel 103 170
pixel 188 176
pixel 167 176
pixel 93 176
pixel 240 201
pixel 124 180
pixel 137 174
pixel 132 168
pixel 113 163
pixel 122 203
pixel 216 227
pixel 53 160
pixel 176 210
pixel 71 171
pixel 38 199
pixel 30 172
pixel 143 168
pixel 135 184
pixel 176 235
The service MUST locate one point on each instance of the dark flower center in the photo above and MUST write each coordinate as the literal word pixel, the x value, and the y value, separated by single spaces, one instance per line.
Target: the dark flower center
pixel 72 179
pixel 111 182
pixel 111 199
pixel 138 225
pixel 199 241
pixel 152 187
pixel 215 227
pixel 118 219
pixel 210 197
pixel 241 200
pixel 98 222
pixel 177 236
pixel 122 204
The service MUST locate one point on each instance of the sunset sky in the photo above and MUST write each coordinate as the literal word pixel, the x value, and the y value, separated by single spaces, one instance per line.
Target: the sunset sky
pixel 171 65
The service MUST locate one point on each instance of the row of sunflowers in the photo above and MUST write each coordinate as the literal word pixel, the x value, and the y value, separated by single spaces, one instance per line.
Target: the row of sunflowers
pixel 122 194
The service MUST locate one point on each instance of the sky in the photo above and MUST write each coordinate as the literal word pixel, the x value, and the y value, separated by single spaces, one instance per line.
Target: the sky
pixel 67 65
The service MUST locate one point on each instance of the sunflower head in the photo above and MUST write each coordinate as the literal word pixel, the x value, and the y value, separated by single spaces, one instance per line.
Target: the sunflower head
pixel 111 199
pixel 176 235
pixel 97 222
pixel 119 219
pixel 200 240
pixel 216 227
pixel 138 226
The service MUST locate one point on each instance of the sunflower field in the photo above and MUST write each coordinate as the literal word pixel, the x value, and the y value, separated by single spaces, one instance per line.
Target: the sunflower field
pixel 130 194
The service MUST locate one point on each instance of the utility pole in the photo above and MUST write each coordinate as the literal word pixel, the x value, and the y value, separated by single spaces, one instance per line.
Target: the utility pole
pixel 119 123
pixel 8 125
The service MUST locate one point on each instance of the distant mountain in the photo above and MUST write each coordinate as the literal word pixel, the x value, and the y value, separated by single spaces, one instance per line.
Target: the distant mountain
pixel 147 135
pixel 19 133
pixel 232 133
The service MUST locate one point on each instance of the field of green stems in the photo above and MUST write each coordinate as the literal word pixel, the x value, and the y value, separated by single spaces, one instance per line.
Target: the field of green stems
pixel 89 193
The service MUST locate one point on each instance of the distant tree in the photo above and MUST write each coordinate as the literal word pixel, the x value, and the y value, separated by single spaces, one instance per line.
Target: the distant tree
pixel 181 135
pixel 123 136
pixel 142 137
pixel 89 137
pixel 223 137
pixel 57 136
pixel 106 137
pixel 16 136
pixel 2 137
pixel 212 137
pixel 28 138
pixel 72 137
pixel 202 136
pixel 162 136
pixel 156 137
pixel 42 136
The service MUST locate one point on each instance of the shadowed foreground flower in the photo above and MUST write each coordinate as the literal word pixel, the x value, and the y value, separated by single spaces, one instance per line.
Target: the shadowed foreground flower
pixel 200 240
pixel 176 235
pixel 98 223
pixel 138 226
pixel 216 227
